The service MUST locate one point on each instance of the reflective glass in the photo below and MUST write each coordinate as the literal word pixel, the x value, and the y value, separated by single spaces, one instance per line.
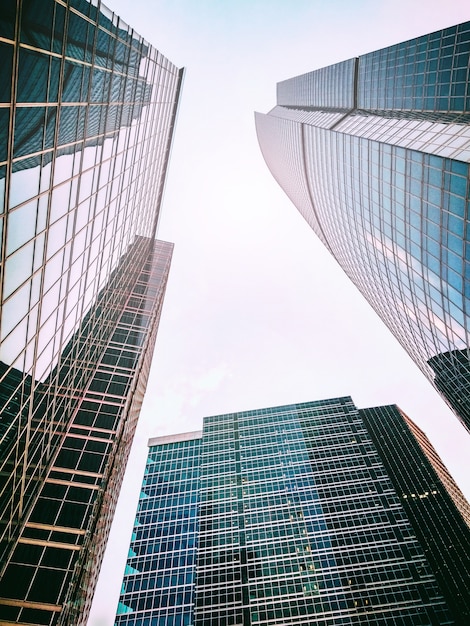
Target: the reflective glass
pixel 24 183
pixel 21 226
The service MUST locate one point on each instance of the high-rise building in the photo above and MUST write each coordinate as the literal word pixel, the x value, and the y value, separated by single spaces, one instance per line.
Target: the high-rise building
pixel 435 506
pixel 87 116
pixel 293 515
pixel 397 424
pixel 375 152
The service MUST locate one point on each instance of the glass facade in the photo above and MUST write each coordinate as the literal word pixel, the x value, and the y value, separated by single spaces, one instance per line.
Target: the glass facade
pixel 298 521
pixel 436 507
pixel 87 113
pixel 161 566
pixel 375 153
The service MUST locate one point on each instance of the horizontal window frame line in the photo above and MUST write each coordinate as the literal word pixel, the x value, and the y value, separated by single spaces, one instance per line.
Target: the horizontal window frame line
pixel 49 544
pixel 28 604
pixel 52 527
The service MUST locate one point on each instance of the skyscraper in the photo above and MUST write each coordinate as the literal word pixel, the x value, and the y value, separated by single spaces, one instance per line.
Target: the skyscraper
pixel 292 515
pixel 374 153
pixel 87 115
pixel 435 506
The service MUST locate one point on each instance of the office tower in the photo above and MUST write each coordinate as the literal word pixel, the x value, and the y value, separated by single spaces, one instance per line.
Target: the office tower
pixel 397 419
pixel 89 108
pixel 161 567
pixel 374 153
pixel 437 509
pixel 291 515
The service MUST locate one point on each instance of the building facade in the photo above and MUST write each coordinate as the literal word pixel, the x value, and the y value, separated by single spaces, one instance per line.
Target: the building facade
pixel 435 506
pixel 286 515
pixel 161 569
pixel 87 111
pixel 375 152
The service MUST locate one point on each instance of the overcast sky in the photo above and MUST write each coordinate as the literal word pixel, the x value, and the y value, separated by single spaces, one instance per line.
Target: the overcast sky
pixel 257 313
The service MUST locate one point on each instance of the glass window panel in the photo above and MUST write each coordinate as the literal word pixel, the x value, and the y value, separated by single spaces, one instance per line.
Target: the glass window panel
pixel 63 168
pixel 56 237
pixel 98 85
pixel 53 270
pixel 78 160
pixel 81 123
pixel 76 270
pixel 7 20
pixel 24 183
pixel 49 301
pixel 2 188
pixel 17 269
pixel 21 226
pixel 13 345
pixel 60 201
pixel 44 362
pixel 456 225
pixel 32 322
pixel 45 176
pixel 458 185
pixel 82 215
pixel 38 252
pixel 68 125
pixel 54 78
pixel 51 122
pixel 36 288
pixel 72 84
pixel 85 84
pixel 102 47
pixel 6 54
pixel 85 185
pixel 41 218
pixel 58 29
pixel 76 36
pixel 459 168
pixel 33 67
pixel 89 157
pixel 93 123
pixel 36 23
pixel 4 124
pixel 79 245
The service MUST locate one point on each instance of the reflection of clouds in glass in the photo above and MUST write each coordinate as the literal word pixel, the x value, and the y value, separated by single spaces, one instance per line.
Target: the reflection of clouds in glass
pixel 21 226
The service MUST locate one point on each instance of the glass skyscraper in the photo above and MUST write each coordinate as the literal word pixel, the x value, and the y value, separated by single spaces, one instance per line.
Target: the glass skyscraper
pixel 160 573
pixel 375 152
pixel 87 114
pixel 294 515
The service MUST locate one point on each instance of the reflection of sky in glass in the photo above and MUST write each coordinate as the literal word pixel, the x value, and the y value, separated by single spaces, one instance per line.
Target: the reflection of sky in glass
pixel 85 211
pixel 92 146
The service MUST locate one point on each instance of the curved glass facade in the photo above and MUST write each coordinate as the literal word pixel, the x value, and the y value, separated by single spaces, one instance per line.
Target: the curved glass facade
pixel 384 184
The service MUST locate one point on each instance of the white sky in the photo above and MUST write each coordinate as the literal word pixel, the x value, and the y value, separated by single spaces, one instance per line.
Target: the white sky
pixel 257 313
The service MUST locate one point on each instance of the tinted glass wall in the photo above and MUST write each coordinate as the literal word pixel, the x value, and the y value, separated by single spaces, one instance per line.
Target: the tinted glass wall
pixel 87 112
